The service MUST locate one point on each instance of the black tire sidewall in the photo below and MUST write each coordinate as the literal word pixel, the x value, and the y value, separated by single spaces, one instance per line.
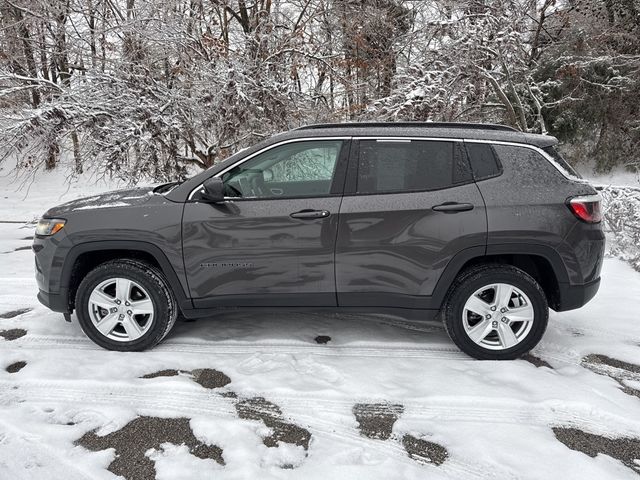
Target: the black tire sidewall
pixel 147 278
pixel 479 278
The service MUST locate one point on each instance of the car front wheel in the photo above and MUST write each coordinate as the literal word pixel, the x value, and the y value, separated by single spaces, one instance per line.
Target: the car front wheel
pixel 495 312
pixel 125 305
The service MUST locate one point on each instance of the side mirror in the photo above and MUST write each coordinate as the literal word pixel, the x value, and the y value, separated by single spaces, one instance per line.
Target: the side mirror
pixel 213 190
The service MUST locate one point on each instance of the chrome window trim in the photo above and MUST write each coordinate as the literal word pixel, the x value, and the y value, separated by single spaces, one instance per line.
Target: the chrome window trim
pixel 262 150
pixel 384 138
pixel 544 154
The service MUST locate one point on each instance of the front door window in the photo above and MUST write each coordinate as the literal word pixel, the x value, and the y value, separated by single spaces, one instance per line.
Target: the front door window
pixel 301 169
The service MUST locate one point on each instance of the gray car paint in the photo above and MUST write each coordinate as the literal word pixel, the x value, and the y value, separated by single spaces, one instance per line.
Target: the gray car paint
pixel 133 216
pixel 390 248
pixel 254 248
pixel 531 209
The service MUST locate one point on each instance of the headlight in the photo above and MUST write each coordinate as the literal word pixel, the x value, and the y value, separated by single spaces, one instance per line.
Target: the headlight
pixel 49 226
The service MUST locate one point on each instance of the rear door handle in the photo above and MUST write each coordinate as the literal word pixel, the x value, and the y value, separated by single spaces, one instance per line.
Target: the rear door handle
pixel 453 207
pixel 310 214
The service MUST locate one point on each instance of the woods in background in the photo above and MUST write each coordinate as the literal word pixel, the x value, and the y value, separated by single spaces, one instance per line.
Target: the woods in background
pixel 147 88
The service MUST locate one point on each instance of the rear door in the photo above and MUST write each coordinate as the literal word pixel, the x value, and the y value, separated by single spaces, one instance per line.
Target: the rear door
pixel 272 242
pixel 411 205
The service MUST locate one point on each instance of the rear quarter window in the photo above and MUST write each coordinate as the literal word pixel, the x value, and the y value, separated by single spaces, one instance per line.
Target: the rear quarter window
pixel 527 164
pixel 484 162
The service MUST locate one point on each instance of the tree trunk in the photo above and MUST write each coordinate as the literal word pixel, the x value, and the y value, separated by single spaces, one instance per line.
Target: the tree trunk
pixel 53 152
pixel 76 151
pixel 91 22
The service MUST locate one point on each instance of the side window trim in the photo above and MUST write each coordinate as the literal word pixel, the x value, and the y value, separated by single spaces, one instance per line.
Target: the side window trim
pixel 342 158
pixel 351 180
pixel 340 172
pixel 351 183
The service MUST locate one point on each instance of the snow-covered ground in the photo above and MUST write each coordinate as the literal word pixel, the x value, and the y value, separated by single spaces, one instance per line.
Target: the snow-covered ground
pixel 619 177
pixel 24 196
pixel 257 396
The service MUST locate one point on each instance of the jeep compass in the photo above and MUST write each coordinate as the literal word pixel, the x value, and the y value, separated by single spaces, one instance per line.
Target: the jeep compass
pixel 480 225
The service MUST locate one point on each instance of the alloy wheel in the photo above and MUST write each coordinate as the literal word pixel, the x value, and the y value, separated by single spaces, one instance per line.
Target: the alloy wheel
pixel 498 316
pixel 121 309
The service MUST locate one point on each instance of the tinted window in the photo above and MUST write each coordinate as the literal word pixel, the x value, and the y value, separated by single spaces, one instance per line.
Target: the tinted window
pixel 302 169
pixel 411 165
pixel 484 163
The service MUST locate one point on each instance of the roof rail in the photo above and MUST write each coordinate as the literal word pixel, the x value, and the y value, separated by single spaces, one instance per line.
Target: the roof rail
pixel 474 126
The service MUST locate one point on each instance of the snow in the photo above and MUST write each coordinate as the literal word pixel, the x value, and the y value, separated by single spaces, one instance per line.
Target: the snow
pixel 106 205
pixel 617 177
pixel 23 199
pixel 493 418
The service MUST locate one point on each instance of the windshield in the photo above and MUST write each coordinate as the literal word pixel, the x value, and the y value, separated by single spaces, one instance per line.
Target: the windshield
pixel 553 152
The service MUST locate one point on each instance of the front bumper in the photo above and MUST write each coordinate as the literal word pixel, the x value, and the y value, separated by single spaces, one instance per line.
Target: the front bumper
pixel 49 254
pixel 576 296
pixel 58 302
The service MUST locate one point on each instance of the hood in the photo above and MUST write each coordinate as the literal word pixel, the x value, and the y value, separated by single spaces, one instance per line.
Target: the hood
pixel 115 199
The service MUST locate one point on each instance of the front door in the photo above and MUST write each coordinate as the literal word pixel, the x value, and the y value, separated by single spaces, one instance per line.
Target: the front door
pixel 414 205
pixel 272 242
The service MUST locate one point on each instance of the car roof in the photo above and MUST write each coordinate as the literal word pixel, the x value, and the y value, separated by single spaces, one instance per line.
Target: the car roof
pixel 454 130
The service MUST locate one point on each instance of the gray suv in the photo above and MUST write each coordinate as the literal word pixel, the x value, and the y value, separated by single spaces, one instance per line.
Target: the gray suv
pixel 480 225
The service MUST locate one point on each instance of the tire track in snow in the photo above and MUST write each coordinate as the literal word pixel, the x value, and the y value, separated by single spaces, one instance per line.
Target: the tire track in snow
pixel 198 401
pixel 567 329
pixel 293 347
pixel 444 352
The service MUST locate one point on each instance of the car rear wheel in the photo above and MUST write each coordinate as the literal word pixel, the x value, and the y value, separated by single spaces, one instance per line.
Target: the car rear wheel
pixel 125 305
pixel 495 312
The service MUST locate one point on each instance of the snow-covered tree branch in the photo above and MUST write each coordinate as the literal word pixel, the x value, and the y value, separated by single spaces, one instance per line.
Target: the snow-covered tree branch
pixel 157 87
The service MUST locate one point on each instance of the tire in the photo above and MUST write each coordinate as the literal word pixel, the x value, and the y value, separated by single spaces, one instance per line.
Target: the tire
pixel 484 289
pixel 144 315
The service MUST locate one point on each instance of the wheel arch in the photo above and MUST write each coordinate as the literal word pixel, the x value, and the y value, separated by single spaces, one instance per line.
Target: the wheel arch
pixel 83 257
pixel 543 263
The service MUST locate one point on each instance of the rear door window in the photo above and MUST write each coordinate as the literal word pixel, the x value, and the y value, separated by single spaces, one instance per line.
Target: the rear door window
pixel 386 166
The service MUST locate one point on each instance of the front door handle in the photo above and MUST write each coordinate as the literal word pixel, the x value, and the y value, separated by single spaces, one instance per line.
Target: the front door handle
pixel 453 207
pixel 310 214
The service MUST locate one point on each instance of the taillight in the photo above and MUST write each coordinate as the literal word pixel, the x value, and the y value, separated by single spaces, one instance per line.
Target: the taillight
pixel 586 208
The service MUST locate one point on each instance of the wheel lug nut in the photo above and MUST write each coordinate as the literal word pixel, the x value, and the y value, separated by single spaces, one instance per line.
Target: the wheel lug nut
pixel 118 302
pixel 502 310
pixel 127 303
pixel 121 316
pixel 129 312
pixel 113 310
pixel 493 309
pixel 488 317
